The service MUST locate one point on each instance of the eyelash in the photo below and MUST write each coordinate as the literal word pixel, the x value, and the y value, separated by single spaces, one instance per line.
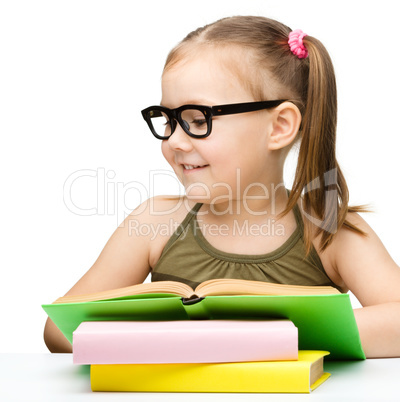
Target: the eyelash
pixel 202 121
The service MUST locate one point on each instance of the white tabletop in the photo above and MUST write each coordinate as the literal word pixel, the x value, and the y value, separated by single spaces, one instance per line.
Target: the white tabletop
pixel 53 377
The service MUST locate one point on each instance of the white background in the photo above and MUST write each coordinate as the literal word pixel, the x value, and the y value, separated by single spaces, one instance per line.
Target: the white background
pixel 74 76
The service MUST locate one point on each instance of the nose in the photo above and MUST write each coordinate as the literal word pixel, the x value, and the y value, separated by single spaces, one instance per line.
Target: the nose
pixel 179 140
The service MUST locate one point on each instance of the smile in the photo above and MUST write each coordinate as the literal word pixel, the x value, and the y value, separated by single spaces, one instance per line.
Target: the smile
pixel 191 167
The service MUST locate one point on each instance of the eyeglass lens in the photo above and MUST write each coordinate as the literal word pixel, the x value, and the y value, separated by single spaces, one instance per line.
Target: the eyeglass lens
pixel 192 120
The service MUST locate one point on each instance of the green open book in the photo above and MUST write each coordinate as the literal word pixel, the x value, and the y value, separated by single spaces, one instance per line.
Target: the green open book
pixel 324 317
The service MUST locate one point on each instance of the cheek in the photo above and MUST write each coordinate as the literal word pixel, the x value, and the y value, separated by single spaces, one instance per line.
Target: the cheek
pixel 166 151
pixel 241 151
pixel 169 156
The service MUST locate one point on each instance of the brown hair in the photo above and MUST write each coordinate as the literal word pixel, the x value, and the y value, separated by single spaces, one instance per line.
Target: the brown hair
pixel 310 83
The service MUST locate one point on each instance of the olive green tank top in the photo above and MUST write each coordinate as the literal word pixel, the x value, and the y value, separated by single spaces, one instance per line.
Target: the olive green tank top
pixel 189 258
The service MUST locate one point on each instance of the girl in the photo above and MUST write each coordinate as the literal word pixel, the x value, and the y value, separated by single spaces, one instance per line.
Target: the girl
pixel 236 96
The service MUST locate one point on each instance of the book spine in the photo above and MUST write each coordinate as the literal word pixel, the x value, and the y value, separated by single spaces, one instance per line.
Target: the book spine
pixel 195 309
pixel 188 301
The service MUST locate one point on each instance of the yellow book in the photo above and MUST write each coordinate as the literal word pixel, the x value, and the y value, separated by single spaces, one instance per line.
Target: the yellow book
pixel 300 376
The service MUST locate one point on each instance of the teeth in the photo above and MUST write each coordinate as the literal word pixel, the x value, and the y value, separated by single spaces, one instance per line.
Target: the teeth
pixel 188 167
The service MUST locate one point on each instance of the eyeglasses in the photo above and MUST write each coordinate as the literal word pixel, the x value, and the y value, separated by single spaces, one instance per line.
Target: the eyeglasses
pixel 195 120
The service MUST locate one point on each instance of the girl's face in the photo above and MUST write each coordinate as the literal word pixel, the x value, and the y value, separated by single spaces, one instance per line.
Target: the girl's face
pixel 235 155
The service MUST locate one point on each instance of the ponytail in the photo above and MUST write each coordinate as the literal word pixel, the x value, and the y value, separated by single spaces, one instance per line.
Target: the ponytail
pixel 326 196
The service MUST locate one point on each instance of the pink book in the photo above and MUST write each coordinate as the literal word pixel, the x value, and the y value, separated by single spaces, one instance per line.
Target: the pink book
pixel 200 341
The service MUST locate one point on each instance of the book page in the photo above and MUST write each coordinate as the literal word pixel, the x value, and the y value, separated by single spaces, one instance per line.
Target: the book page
pixel 316 370
pixel 219 287
pixel 177 288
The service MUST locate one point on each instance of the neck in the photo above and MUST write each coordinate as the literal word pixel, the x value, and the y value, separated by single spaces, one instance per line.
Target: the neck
pixel 253 206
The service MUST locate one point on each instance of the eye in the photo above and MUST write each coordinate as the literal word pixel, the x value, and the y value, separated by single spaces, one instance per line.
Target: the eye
pixel 194 117
pixel 195 121
pixel 199 122
pixel 161 123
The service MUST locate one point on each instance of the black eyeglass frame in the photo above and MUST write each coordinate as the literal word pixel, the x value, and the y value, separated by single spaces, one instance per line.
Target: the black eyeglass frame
pixel 174 115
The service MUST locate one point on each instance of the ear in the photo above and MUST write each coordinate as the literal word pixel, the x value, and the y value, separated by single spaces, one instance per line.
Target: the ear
pixel 286 124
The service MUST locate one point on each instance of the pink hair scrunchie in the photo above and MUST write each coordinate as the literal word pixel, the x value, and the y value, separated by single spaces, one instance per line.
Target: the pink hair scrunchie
pixel 296 43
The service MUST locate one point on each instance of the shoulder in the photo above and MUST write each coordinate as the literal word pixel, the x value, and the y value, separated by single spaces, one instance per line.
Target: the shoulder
pixel 156 219
pixel 361 263
pixel 161 208
pixel 348 243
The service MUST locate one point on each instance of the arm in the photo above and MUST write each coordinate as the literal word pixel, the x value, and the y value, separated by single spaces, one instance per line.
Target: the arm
pixel 125 260
pixel 54 339
pixel 365 267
